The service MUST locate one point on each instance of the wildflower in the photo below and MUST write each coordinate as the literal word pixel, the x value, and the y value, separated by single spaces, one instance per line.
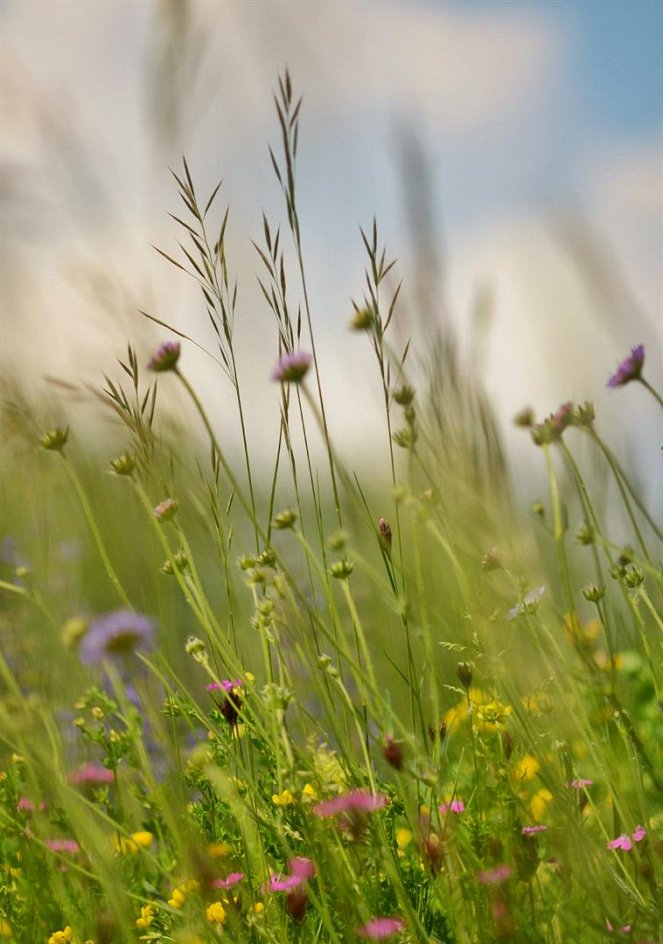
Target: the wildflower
pixel 404 395
pixel 580 783
pixel 283 799
pixel 379 928
pixel 61 937
pixel 229 881
pixel 285 519
pixel 385 536
pixel 116 634
pixel 403 839
pixel 178 563
pixel 524 418
pixel 231 705
pixel 529 604
pixel 55 439
pixel 540 802
pixel 456 806
pixel 309 793
pixel 526 768
pixel 392 752
pixel 5 930
pixel 639 834
pixel 165 357
pixel 131 845
pixel 123 464
pixel 342 569
pixel 146 916
pixel 216 913
pixel 292 367
pixel 493 715
pixel 219 850
pixel 180 892
pixel 91 775
pixel 166 510
pixel 495 876
pixel 362 319
pixel 532 830
pixel 356 800
pixel 621 842
pixel 62 845
pixel 464 673
pixel 300 869
pixel 629 369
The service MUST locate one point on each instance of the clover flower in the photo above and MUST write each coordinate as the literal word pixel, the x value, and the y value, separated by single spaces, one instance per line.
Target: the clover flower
pixel 292 367
pixel 379 928
pixel 116 634
pixel 629 369
pixel 231 705
pixel 165 357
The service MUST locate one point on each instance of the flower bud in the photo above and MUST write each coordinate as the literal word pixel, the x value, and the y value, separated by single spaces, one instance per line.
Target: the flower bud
pixel 464 673
pixel 166 510
pixel 55 439
pixel 165 357
pixel 392 752
pixel 593 593
pixel 124 464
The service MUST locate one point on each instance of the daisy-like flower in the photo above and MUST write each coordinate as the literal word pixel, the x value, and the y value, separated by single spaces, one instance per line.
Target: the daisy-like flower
pixel 379 928
pixel 529 603
pixel 115 635
pixel 292 368
pixel 165 357
pixel 495 876
pixel 358 800
pixel 629 369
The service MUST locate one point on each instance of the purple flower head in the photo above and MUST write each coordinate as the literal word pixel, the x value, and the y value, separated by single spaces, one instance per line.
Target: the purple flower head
pixel 292 368
pixel 629 369
pixel 115 635
pixel 639 834
pixel 529 604
pixel 231 704
pixel 229 881
pixel 495 876
pixel 91 775
pixel 456 806
pixel 300 870
pixel 379 928
pixel 532 830
pixel 355 801
pixel 165 357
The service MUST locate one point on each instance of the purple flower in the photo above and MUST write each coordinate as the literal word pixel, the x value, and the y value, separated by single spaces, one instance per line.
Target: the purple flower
pixel 165 357
pixel 356 800
pixel 378 928
pixel 456 806
pixel 231 705
pixel 292 368
pixel 495 876
pixel 629 369
pixel 621 842
pixel 228 881
pixel 531 830
pixel 116 634
pixel 300 870
pixel 639 834
pixel 528 605
pixel 91 775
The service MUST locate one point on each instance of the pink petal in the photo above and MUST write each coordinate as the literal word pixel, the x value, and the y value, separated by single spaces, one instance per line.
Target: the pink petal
pixel 639 834
pixel 529 830
pixel 495 876
pixel 378 928
pixel 229 881
pixel 621 842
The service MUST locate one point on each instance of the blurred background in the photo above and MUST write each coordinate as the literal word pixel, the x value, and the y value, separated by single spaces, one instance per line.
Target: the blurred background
pixel 511 152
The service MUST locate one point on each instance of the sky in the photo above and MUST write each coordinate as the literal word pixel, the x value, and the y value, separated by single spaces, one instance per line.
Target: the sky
pixel 538 125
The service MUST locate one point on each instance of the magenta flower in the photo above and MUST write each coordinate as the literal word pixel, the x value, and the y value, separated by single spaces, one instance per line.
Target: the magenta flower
pixel 300 870
pixel 639 834
pixel 629 369
pixel 495 876
pixel 229 881
pixel 531 830
pixel 355 801
pixel 456 806
pixel 621 842
pixel 165 357
pixel 62 845
pixel 378 928
pixel 91 775
pixel 231 705
pixel 292 368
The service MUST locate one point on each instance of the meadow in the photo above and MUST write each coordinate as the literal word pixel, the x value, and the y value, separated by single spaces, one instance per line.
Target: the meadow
pixel 324 709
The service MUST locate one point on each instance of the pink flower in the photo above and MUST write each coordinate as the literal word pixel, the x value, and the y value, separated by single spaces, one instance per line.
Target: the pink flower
pixel 359 800
pixel 621 842
pixel 456 806
pixel 378 928
pixel 25 805
pixel 292 368
pixel 300 870
pixel 530 830
pixel 62 845
pixel 495 876
pixel 228 881
pixel 91 775
pixel 639 834
pixel 624 929
pixel 579 783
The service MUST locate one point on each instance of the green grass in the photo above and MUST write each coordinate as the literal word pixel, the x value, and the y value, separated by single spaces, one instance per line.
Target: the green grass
pixel 476 690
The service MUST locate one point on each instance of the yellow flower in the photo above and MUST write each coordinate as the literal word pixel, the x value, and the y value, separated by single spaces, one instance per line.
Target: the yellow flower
pixel 131 845
pixel 180 892
pixel 258 908
pixel 143 838
pixel 283 799
pixel 492 716
pixel 146 916
pixel 309 793
pixel 5 930
pixel 61 937
pixel 525 769
pixel 403 839
pixel 539 803
pixel 216 913
pixel 218 850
